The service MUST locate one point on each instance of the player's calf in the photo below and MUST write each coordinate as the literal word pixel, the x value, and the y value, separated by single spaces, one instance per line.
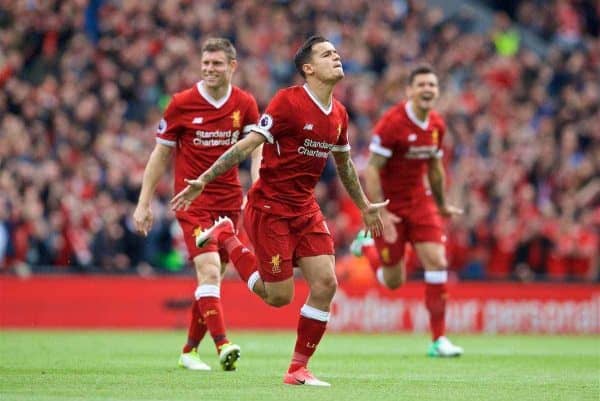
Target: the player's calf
pixel 391 277
pixel 278 300
pixel 280 293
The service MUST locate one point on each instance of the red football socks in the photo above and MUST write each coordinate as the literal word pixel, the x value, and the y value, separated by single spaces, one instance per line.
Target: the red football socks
pixel 212 313
pixel 310 332
pixel 230 242
pixel 196 331
pixel 435 301
pixel 370 252
pixel 242 259
pixel 298 361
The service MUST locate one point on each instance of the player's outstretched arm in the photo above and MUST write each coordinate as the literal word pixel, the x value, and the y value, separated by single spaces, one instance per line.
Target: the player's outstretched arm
pixel 155 168
pixel 437 179
pixel 234 155
pixel 349 178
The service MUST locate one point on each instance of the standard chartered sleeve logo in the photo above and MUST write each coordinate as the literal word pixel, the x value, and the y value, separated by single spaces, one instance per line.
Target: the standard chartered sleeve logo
pixel 162 126
pixel 265 122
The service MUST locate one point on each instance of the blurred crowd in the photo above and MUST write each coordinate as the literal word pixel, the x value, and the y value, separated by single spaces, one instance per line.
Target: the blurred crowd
pixel 83 85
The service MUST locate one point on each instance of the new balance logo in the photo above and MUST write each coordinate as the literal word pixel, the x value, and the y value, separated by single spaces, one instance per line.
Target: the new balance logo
pixel 197 120
pixel 308 127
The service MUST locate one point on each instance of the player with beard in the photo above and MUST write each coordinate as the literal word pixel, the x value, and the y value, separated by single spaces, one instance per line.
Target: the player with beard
pixel 300 127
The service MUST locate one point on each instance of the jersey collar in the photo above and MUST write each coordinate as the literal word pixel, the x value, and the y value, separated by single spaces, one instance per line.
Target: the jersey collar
pixel 409 111
pixel 327 110
pixel 217 103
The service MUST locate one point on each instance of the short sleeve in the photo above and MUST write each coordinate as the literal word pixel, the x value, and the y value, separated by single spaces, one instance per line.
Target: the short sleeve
pixel 251 115
pixel 441 132
pixel 275 120
pixel 382 142
pixel 342 144
pixel 168 127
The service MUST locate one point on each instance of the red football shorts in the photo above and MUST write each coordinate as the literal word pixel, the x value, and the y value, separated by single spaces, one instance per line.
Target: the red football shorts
pixel 193 221
pixel 422 224
pixel 279 241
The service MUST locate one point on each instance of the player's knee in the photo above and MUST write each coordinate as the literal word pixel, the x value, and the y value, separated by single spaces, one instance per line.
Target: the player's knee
pixel 278 300
pixel 212 277
pixel 435 262
pixel 325 288
pixel 440 262
pixel 209 275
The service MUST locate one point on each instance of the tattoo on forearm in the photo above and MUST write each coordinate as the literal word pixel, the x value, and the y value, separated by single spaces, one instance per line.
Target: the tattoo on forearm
pixel 349 178
pixel 224 163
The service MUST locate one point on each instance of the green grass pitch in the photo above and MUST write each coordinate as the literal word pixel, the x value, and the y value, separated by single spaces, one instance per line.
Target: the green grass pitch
pixel 129 365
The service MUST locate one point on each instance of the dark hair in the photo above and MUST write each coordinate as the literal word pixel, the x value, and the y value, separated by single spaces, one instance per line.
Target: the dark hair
pixel 304 53
pixel 220 44
pixel 423 68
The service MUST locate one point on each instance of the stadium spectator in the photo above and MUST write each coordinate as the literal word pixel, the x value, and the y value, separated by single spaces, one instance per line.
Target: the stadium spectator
pixel 199 125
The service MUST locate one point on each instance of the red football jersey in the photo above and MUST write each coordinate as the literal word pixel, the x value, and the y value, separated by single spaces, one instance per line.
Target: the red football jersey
pixel 408 144
pixel 300 134
pixel 201 129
